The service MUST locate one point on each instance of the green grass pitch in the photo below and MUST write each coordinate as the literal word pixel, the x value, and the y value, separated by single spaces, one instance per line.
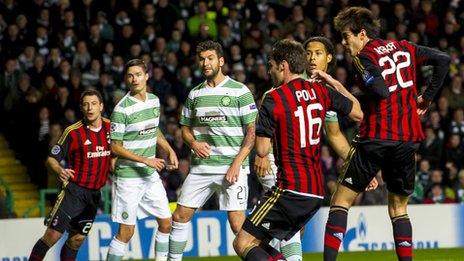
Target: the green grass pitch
pixel 452 254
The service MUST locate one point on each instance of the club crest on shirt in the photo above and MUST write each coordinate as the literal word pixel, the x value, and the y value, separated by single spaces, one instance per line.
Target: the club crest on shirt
pixel 56 150
pixel 124 215
pixel 225 101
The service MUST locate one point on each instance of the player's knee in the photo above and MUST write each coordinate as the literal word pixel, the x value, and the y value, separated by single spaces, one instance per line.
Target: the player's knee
pixel 125 233
pixel 180 216
pixel 164 225
pixel 51 236
pixel 397 205
pixel 239 246
pixel 76 241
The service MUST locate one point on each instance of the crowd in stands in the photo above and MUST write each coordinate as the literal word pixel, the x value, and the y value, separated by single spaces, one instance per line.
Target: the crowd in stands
pixel 52 50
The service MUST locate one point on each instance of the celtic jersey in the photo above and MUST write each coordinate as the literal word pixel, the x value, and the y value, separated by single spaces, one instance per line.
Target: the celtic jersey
pixel 218 116
pixel 135 123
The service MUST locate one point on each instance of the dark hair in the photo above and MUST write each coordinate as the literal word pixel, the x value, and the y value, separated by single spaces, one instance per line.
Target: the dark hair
pixel 91 92
pixel 210 45
pixel 329 48
pixel 290 51
pixel 357 18
pixel 135 62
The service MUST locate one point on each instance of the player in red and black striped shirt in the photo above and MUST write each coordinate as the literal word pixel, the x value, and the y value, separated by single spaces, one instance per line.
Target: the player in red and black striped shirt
pixel 85 146
pixel 391 128
pixel 292 116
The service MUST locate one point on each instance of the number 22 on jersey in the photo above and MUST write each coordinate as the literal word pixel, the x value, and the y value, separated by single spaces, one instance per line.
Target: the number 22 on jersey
pixel 400 62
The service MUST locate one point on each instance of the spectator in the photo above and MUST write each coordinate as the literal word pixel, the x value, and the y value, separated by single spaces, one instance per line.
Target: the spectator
pixel 437 196
pixel 459 187
pixel 454 93
pixel 431 148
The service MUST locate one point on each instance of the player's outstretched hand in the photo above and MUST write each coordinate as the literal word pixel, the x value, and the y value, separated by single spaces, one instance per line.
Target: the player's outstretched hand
pixel 66 174
pixel 422 105
pixel 232 173
pixel 318 76
pixel 262 166
pixel 372 185
pixel 156 163
pixel 173 161
pixel 201 149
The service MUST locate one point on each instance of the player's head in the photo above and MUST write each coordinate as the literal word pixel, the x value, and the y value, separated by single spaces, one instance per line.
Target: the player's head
pixel 91 103
pixel 210 58
pixel 357 26
pixel 286 57
pixel 136 75
pixel 320 53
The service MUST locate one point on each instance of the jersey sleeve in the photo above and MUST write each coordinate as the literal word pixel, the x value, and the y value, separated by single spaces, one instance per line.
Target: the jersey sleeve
pixel 118 123
pixel 371 75
pixel 440 63
pixel 60 150
pixel 266 122
pixel 247 107
pixel 339 102
pixel 186 116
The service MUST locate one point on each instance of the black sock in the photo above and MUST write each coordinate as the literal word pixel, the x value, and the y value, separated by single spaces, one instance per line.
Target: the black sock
pixel 67 253
pixel 334 232
pixel 39 251
pixel 402 234
pixel 257 254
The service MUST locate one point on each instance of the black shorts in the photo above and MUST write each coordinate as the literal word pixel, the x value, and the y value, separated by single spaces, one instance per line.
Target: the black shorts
pixel 75 209
pixel 280 214
pixel 396 159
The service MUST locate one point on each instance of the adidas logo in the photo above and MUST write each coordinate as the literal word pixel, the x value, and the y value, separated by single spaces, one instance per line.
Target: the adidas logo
pixel 266 225
pixel 87 142
pixel 405 244
pixel 338 235
pixel 349 180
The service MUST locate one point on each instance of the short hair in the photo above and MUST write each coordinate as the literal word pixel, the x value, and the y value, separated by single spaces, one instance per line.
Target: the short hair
pixel 91 92
pixel 290 51
pixel 210 46
pixel 135 62
pixel 357 18
pixel 328 45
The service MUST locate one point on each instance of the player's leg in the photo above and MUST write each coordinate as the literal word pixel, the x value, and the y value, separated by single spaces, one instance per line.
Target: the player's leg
pixel 42 245
pixel 72 245
pixel 66 206
pixel 233 199
pixel 291 249
pixel 80 226
pixel 127 194
pixel 255 230
pixel 155 203
pixel 196 190
pixel 359 171
pixel 399 175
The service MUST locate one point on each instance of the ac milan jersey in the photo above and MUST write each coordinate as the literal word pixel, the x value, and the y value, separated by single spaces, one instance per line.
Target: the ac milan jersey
pixel 87 152
pixel 292 115
pixel 388 68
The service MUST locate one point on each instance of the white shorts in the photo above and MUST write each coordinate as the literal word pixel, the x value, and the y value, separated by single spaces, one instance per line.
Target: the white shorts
pixel 269 180
pixel 198 188
pixel 138 198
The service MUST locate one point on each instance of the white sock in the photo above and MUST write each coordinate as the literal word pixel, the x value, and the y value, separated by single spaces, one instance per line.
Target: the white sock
pixel 161 246
pixel 117 250
pixel 177 240
pixel 291 249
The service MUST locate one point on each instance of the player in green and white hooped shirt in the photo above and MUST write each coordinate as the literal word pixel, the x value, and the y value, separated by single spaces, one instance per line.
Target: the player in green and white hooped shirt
pixel 218 123
pixel 137 188
pixel 319 54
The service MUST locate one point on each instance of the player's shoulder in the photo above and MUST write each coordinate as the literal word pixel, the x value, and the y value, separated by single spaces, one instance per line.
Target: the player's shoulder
pixel 233 84
pixel 123 103
pixel 106 121
pixel 74 126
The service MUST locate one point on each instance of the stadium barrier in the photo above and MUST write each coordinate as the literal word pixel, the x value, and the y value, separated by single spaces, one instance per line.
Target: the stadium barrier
pixel 369 228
